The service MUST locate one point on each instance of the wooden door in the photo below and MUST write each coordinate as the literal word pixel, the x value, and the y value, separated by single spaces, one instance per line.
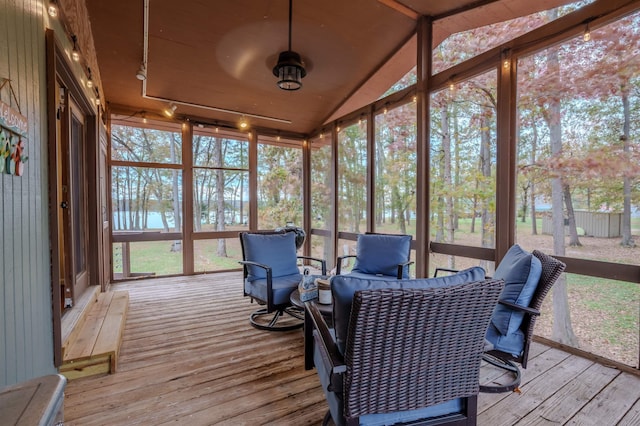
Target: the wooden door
pixel 74 204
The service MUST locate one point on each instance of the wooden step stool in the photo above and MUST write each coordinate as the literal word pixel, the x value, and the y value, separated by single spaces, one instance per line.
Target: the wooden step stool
pixel 95 347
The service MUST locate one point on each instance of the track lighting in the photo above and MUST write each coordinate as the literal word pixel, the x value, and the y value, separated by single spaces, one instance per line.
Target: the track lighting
pixel 243 123
pixel 142 73
pixel 170 110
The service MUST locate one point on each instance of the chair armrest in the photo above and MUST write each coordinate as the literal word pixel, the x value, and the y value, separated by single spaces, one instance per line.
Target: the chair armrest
pixel 520 308
pixel 453 271
pixel 246 263
pixel 322 262
pixel 328 344
pixel 339 262
pixel 401 268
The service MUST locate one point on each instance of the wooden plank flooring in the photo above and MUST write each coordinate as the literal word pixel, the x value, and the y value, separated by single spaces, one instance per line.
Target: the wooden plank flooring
pixel 189 356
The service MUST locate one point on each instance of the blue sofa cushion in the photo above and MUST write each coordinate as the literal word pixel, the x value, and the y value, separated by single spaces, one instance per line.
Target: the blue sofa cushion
pixel 521 272
pixel 275 250
pixel 381 254
pixel 343 287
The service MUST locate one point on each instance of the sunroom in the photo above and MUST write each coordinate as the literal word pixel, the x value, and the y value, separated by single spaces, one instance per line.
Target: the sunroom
pixel 471 126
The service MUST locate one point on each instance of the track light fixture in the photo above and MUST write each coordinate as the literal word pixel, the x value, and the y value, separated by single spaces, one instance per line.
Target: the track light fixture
pixel 142 72
pixel 290 68
pixel 170 110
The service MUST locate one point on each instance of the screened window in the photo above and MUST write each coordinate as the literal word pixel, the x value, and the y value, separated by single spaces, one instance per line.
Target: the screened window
pixel 280 181
pixel 463 162
pixel 220 181
pixel 352 177
pixel 578 186
pixel 321 195
pixel 395 170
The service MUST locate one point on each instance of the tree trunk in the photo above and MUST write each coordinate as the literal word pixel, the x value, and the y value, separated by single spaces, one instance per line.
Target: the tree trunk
pixel 627 237
pixel 441 201
pixel 532 193
pixel 177 210
pixel 562 330
pixel 222 243
pixel 380 166
pixel 447 182
pixel 525 200
pixel 485 158
pixel 574 241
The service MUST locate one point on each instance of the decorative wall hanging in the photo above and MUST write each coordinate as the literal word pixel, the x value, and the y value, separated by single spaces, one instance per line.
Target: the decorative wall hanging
pixel 13 128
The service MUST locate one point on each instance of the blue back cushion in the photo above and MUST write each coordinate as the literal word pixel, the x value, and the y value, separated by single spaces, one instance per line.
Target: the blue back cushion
pixel 521 272
pixel 275 250
pixel 381 254
pixel 343 287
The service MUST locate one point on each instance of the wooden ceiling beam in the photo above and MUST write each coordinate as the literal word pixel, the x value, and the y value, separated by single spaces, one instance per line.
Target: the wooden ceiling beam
pixel 399 7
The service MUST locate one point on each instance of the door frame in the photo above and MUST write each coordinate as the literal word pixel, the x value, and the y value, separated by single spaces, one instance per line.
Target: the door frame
pixel 59 69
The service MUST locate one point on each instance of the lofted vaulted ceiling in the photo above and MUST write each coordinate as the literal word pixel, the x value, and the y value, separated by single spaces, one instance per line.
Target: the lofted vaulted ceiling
pixel 220 54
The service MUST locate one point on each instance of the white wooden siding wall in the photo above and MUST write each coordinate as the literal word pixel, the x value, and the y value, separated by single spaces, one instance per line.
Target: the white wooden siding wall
pixel 26 342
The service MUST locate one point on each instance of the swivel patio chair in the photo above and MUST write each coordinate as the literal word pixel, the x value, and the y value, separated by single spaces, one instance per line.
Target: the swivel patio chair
pixel 510 332
pixel 271 274
pixel 379 255
pixel 528 278
pixel 411 356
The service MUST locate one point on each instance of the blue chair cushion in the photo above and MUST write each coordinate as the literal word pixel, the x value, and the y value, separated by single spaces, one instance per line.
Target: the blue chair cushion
pixel 521 272
pixel 381 254
pixel 282 287
pixel 343 287
pixel 373 277
pixel 513 343
pixel 402 417
pixel 275 250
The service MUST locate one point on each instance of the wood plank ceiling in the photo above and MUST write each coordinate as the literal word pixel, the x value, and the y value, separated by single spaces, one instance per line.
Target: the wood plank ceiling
pixel 221 54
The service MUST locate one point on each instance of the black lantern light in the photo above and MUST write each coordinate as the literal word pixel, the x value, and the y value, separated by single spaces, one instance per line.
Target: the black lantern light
pixel 290 68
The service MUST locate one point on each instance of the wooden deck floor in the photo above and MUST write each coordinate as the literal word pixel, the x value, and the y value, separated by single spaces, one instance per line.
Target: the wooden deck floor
pixel 189 356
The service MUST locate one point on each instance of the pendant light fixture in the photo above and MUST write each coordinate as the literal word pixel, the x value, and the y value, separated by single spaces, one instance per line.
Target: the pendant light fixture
pixel 290 68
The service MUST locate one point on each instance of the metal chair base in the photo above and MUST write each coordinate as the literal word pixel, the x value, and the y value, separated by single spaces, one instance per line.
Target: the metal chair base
pixel 272 324
pixel 505 365
pixel 327 419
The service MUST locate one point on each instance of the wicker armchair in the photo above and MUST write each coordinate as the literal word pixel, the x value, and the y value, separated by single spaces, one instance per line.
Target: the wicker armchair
pixel 514 347
pixel 508 343
pixel 410 355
